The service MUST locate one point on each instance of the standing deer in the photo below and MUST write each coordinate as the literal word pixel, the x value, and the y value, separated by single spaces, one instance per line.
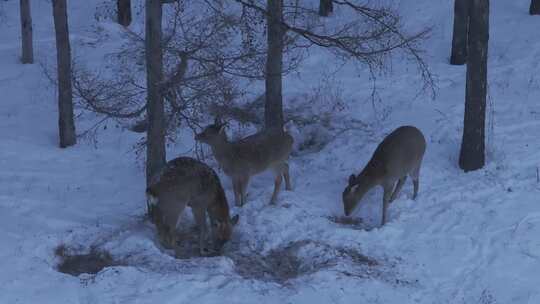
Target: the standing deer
pixel 186 181
pixel 398 155
pixel 249 156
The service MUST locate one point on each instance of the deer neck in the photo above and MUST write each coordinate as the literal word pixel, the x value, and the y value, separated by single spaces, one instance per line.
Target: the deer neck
pixel 219 210
pixel 221 147
pixel 372 174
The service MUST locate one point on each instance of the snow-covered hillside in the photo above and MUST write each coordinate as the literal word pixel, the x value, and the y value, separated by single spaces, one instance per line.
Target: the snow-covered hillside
pixel 468 238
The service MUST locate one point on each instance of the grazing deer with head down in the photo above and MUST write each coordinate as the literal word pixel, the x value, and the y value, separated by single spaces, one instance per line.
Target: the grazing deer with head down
pixel 188 182
pixel 398 155
pixel 244 158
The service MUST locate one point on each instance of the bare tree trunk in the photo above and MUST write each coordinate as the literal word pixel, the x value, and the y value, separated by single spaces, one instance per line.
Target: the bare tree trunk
pixel 155 144
pixel 123 8
pixel 459 38
pixel 26 32
pixel 325 7
pixel 472 156
pixel 63 56
pixel 273 114
pixel 534 9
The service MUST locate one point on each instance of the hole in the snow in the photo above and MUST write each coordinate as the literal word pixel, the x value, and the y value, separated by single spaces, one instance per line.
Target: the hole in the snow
pixel 349 221
pixel 187 244
pixel 74 263
pixel 294 260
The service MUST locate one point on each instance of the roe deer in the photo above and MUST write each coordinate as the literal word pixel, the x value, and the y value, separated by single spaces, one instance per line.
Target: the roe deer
pixel 398 155
pixel 186 181
pixel 249 156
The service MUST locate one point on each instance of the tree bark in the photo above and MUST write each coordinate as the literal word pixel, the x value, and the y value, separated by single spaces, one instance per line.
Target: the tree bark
pixel 534 9
pixel 472 155
pixel 123 8
pixel 326 7
pixel 273 114
pixel 26 32
pixel 63 56
pixel 459 38
pixel 155 145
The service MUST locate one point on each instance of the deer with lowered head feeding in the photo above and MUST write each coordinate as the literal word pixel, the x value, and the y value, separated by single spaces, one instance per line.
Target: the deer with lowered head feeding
pixel 398 155
pixel 249 156
pixel 188 182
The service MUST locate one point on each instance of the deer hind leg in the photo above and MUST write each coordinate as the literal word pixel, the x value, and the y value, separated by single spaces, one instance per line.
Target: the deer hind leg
pixel 415 176
pixel 277 184
pixel 167 238
pixel 399 185
pixel 286 177
pixel 388 187
pixel 200 218
pixel 164 235
pixel 237 192
pixel 244 181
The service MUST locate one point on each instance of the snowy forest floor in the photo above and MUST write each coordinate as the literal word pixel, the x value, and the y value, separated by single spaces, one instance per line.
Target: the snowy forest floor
pixel 468 238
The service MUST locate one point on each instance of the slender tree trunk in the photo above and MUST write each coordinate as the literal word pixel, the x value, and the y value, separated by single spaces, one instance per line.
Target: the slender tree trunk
pixel 63 56
pixel 472 156
pixel 325 7
pixel 534 9
pixel 273 114
pixel 459 38
pixel 155 145
pixel 123 8
pixel 26 32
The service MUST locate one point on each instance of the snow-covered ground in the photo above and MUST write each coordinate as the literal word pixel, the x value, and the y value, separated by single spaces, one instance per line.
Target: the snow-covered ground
pixel 468 238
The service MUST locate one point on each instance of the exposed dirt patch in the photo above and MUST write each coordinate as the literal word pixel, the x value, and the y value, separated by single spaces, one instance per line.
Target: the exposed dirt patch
pixel 294 260
pixel 279 265
pixel 351 222
pixel 187 244
pixel 74 263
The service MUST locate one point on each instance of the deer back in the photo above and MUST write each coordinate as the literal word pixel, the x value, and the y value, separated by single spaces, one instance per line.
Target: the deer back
pixel 186 181
pixel 397 155
pixel 250 155
pixel 258 152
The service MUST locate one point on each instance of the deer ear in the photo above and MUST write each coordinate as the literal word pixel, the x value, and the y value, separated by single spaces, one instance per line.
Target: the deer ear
pixel 352 178
pixel 234 219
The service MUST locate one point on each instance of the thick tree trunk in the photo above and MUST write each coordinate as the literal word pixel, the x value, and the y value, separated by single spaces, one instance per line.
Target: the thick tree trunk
pixel 273 114
pixel 459 38
pixel 123 8
pixel 26 32
pixel 534 9
pixel 325 7
pixel 155 144
pixel 63 56
pixel 472 156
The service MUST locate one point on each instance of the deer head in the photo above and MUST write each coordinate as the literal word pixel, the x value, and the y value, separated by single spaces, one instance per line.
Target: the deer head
pixel 212 132
pixel 222 231
pixel 353 193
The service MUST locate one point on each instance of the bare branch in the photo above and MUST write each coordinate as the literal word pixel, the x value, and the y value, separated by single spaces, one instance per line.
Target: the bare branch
pixel 381 36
